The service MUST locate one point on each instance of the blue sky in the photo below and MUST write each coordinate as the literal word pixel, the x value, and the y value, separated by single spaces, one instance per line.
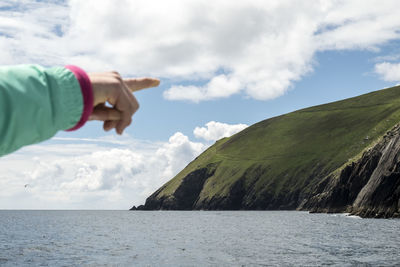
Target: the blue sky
pixel 223 65
pixel 336 75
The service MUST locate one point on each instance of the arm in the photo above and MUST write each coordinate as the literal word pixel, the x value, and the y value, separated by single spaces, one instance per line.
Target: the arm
pixel 35 103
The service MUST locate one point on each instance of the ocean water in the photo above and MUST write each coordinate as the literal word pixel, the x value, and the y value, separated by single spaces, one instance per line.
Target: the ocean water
pixel 195 238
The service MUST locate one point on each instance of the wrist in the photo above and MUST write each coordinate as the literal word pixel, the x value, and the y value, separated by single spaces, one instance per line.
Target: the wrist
pixel 87 94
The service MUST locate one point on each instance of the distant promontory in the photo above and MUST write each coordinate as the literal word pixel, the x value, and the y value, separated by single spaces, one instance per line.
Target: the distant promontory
pixel 338 157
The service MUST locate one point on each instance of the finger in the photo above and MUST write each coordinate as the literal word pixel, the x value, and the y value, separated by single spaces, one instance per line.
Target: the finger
pixel 98 106
pixel 119 128
pixel 128 105
pixel 108 125
pixel 122 124
pixel 136 84
pixel 131 97
pixel 102 113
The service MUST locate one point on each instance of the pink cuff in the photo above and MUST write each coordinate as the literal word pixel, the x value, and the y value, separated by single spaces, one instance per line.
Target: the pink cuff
pixel 87 94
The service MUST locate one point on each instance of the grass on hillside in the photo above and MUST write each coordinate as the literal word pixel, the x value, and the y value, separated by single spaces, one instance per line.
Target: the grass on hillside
pixel 296 149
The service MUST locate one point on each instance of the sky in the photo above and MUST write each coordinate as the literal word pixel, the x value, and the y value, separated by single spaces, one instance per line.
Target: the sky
pixel 223 66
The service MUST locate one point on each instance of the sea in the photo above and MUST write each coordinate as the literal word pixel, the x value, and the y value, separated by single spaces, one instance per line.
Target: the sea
pixel 195 238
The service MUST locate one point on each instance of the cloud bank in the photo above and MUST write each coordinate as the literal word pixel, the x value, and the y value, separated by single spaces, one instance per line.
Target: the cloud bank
pixel 255 48
pixel 389 72
pixel 102 173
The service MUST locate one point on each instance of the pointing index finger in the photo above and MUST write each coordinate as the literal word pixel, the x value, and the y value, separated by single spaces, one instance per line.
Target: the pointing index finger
pixel 136 84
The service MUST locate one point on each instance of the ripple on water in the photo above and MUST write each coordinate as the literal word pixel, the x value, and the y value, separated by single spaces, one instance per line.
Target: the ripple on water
pixel 227 238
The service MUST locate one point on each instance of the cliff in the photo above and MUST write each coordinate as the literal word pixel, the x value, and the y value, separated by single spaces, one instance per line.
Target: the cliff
pixel 337 157
pixel 368 187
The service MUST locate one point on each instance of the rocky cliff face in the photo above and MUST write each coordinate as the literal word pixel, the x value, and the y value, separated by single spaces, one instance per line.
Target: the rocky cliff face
pixel 240 196
pixel 369 187
pixel 186 195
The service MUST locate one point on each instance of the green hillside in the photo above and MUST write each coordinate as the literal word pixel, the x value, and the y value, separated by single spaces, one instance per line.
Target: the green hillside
pixel 274 163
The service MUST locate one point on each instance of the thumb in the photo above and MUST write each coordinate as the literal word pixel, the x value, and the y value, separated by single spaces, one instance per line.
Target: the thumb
pixel 103 113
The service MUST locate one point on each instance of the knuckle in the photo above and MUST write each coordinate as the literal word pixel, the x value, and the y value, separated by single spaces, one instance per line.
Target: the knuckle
pixel 119 79
pixel 126 122
pixel 116 73
pixel 136 107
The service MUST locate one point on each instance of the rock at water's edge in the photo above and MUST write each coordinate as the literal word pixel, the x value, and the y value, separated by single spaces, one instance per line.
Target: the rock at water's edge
pixel 369 187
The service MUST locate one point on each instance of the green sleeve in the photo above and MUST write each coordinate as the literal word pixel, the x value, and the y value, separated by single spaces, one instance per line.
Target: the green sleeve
pixel 35 103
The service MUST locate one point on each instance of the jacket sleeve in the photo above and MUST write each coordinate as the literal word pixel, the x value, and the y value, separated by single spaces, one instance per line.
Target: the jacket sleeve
pixel 35 103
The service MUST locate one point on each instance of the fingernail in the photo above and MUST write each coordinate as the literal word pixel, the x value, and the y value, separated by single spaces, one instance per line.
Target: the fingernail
pixel 155 83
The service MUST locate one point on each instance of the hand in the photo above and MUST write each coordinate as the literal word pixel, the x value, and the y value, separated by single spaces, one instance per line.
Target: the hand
pixel 111 88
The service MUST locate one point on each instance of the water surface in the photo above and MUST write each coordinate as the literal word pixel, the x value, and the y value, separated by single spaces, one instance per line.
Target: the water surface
pixel 195 238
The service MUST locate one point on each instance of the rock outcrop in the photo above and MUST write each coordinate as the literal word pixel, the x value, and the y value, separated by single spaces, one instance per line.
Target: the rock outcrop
pixel 369 187
pixel 185 196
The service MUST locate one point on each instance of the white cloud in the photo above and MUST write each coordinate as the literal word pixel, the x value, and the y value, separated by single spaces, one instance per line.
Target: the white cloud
pixel 90 174
pixel 101 173
pixel 258 48
pixel 217 130
pixel 388 71
pixel 177 153
pixel 30 32
pixel 358 24
pixel 219 86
